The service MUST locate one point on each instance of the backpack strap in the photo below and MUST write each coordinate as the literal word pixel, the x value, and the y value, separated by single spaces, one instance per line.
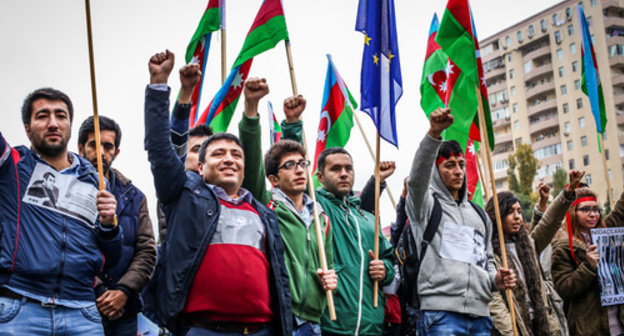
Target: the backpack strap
pixel 432 226
pixel 480 211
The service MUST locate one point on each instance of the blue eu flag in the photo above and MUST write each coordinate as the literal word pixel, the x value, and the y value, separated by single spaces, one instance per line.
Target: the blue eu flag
pixel 381 85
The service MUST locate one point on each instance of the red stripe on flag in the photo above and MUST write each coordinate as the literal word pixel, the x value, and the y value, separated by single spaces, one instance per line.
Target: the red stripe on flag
pixel 268 10
pixel 432 45
pixel 461 12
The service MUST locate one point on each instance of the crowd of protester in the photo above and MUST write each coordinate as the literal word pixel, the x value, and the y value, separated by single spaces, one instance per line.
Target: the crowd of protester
pixel 239 257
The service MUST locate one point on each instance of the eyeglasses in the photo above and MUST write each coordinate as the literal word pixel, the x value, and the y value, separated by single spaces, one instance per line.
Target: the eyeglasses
pixel 289 165
pixel 587 210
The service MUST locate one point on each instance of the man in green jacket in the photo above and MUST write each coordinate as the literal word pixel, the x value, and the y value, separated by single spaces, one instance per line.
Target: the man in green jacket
pixel 286 166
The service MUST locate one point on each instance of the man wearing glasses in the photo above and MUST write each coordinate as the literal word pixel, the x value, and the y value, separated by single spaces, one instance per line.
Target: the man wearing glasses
pixel 285 166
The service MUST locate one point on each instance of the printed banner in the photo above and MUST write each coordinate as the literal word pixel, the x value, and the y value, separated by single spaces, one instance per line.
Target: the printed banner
pixel 62 193
pixel 610 243
pixel 463 243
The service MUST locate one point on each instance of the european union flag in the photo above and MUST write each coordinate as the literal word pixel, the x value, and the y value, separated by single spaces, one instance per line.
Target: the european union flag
pixel 381 85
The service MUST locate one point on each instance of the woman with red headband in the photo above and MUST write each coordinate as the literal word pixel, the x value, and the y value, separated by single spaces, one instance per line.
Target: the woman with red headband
pixel 574 268
pixel 535 310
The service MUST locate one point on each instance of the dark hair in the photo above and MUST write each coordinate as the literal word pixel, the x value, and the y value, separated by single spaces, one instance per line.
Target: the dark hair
pixel 506 200
pixel 45 93
pixel 449 148
pixel 106 124
pixel 275 154
pixel 200 131
pixel 217 137
pixel 320 162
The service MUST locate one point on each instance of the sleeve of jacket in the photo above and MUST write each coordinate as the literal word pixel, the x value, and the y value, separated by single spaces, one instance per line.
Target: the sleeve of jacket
pixel 419 201
pixel 249 133
pixel 110 243
pixel 180 128
pixel 492 270
pixel 500 314
pixel 616 217
pixel 537 216
pixel 162 223
pixel 399 224
pixel 292 131
pixel 144 260
pixel 367 196
pixel 168 170
pixel 570 282
pixel 550 223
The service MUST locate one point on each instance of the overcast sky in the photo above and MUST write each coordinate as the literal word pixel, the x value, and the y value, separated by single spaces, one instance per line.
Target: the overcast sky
pixel 44 43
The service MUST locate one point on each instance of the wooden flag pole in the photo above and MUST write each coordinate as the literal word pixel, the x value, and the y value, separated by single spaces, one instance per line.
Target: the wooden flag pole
pixel 377 192
pixel 96 117
pixel 223 56
pixel 317 226
pixel 370 150
pixel 484 185
pixel 499 224
pixel 601 143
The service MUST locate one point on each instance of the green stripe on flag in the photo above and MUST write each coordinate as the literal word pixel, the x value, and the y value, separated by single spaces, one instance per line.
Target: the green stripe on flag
pixel 263 38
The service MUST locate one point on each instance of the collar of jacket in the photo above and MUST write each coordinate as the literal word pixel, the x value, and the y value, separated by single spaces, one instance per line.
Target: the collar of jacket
pixel 349 200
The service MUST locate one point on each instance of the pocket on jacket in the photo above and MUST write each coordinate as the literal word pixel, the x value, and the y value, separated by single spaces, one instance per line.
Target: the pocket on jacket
pixel 9 308
pixel 91 313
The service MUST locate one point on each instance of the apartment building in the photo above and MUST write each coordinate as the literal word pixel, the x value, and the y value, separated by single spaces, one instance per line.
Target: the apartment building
pixel 533 74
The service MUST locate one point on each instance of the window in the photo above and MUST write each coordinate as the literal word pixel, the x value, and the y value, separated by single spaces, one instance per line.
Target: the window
pixel 557 37
pixel 516 125
pixel 586 161
pixel 573 48
pixel 547 151
pixel 568 13
pixel 507 40
pixel 513 90
pixel 518 141
pixel 561 71
pixel 511 74
pixel 577 84
pixel 570 145
pixel 564 89
pixel 570 30
pixel 559 54
pixel 588 179
pixel 574 66
pixel 543 25
pixel 579 103
pixel 501 165
pixel 589 21
pixel 606 154
pixel 592 3
pixel 509 57
pixel 567 127
pixel 555 18
pixel 571 164
pixel 527 66
pixel 515 108
pixel 531 31
pixel 566 108
pixel 581 122
pixel 519 36
pixel 584 141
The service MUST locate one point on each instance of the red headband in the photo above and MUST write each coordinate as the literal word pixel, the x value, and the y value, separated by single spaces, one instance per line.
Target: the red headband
pixel 569 221
pixel 442 157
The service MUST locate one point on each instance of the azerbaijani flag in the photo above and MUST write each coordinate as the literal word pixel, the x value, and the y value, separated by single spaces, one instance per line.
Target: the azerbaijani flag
pixel 274 126
pixel 457 39
pixel 590 80
pixel 267 30
pixel 337 113
pixel 475 194
pixel 197 50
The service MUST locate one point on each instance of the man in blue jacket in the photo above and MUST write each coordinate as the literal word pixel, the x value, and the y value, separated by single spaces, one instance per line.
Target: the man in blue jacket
pixel 49 254
pixel 118 291
pixel 221 270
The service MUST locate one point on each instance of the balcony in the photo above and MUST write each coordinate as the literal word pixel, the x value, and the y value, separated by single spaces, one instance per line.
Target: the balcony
pixel 539 71
pixel 617 61
pixel 537 53
pixel 617 80
pixel 501 122
pixel 540 89
pixel 618 99
pixel 620 119
pixel 552 159
pixel 501 174
pixel 613 22
pixel 501 85
pixel 502 139
pixel 495 72
pixel 544 106
pixel 613 40
pixel 606 4
pixel 544 124
pixel 546 142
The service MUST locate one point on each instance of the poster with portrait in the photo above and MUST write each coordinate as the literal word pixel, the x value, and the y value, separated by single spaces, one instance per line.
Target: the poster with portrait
pixel 610 243
pixel 62 193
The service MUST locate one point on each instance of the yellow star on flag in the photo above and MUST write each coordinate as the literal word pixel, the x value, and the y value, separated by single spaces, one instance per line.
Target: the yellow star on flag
pixel 375 59
pixel 390 56
pixel 366 39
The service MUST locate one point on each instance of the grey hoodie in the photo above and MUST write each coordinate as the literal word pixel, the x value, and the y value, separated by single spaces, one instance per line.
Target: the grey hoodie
pixel 458 272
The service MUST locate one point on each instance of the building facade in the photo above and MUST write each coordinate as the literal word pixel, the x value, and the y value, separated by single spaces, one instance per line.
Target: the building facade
pixel 533 74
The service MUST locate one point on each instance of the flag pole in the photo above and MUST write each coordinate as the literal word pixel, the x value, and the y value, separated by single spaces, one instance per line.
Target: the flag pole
pixel 377 192
pixel 484 185
pixel 370 150
pixel 223 56
pixel 601 144
pixel 96 118
pixel 317 226
pixel 499 225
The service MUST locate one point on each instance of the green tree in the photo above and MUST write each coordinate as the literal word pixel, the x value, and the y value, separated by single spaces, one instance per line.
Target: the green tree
pixel 522 170
pixel 560 180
